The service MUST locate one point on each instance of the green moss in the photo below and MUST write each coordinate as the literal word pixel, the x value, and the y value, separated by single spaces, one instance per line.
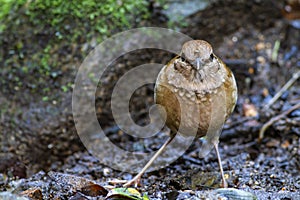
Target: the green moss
pixel 44 35
pixel 69 17
pixel 7 7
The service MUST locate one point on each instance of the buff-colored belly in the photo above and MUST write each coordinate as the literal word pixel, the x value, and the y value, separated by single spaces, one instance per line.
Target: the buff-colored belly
pixel 191 113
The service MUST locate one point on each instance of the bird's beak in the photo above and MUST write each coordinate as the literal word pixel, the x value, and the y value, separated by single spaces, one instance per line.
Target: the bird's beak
pixel 198 63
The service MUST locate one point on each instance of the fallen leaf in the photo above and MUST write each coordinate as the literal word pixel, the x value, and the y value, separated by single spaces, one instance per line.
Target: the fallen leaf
pixel 126 194
pixel 94 190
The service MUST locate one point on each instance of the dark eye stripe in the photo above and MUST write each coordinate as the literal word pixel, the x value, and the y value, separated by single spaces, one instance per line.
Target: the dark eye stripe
pixel 183 58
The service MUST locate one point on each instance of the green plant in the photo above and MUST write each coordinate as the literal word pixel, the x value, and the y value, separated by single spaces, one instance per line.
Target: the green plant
pixel 43 34
pixel 68 17
pixel 7 7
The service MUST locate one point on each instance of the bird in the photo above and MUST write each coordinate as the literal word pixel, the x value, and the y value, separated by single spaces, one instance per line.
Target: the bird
pixel 197 92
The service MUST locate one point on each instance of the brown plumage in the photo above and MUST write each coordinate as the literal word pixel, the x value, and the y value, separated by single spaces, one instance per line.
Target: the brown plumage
pixel 198 93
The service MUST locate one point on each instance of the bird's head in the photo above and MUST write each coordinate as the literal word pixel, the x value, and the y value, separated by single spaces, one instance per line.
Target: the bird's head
pixel 198 53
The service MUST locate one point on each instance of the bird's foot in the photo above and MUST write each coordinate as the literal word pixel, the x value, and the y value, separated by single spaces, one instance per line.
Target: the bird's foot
pixel 135 181
pixel 224 184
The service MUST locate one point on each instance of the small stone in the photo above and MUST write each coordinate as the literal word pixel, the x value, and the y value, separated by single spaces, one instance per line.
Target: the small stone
pixel 106 171
pixel 10 196
pixel 249 110
pixel 260 46
pixel 232 193
pixel 261 60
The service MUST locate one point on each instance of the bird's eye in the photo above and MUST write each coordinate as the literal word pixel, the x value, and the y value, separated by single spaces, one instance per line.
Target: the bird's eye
pixel 212 56
pixel 182 57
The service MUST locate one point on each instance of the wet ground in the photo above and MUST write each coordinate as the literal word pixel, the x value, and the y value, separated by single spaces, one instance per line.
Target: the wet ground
pixel 51 163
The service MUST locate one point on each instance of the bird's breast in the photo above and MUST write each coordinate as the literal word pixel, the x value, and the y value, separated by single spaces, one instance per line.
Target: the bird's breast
pixel 192 105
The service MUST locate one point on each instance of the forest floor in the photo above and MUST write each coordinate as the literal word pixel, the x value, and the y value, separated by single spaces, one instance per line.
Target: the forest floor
pixel 42 156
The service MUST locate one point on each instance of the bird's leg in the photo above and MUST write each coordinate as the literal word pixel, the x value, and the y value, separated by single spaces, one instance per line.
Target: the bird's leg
pixel 135 181
pixel 224 183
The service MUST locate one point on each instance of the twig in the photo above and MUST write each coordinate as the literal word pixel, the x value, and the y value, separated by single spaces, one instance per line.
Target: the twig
pixel 274 119
pixel 242 146
pixel 282 90
pixel 237 122
pixel 275 51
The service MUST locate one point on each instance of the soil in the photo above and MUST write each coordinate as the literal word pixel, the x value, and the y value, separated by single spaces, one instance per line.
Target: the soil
pixel 42 156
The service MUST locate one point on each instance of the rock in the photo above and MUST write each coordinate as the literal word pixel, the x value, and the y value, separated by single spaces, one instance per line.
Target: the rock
pixel 10 196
